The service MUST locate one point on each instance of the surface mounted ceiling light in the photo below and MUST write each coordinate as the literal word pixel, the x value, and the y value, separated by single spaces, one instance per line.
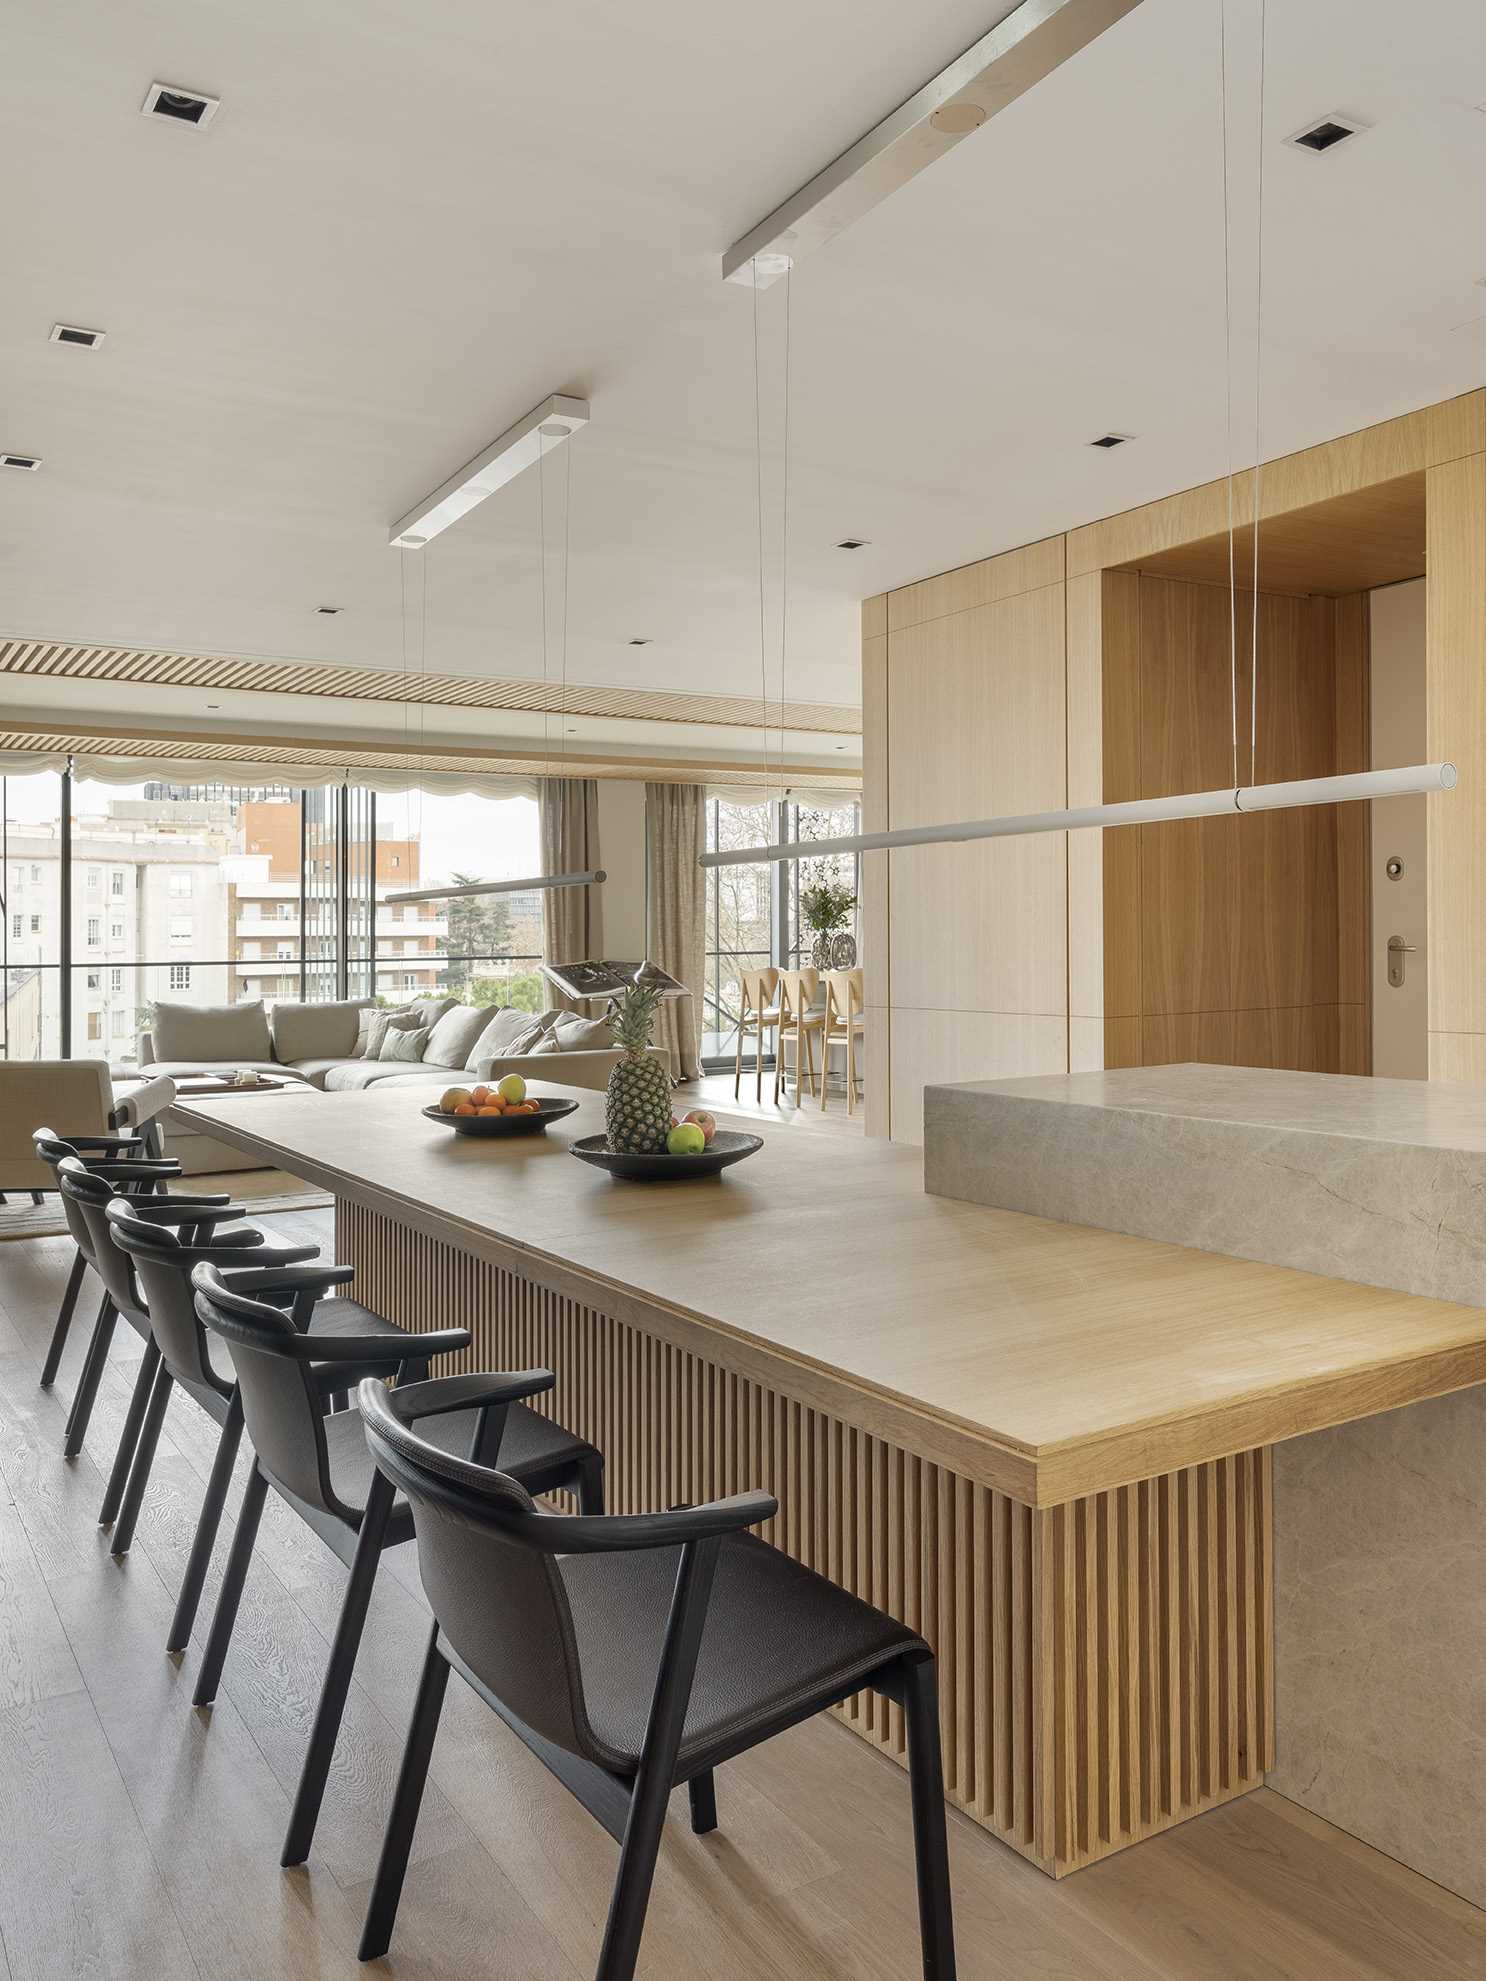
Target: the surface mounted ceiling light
pixel 1027 42
pixel 1410 781
pixel 530 886
pixel 519 447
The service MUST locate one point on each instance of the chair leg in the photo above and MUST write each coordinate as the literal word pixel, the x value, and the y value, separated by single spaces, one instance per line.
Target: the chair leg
pixel 930 1844
pixel 381 1913
pixel 758 1065
pixel 316 1771
pixel 118 1476
pixel 36 1198
pixel 64 1321
pixel 702 1793
pixel 738 1058
pixel 209 1520
pixel 230 1595
pixel 591 1485
pixel 87 1388
pixel 144 1458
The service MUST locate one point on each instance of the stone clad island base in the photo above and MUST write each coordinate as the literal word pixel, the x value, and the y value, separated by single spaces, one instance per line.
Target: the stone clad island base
pixel 1105 1667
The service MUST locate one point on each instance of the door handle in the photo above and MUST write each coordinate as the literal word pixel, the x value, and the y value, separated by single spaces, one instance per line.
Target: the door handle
pixel 1397 950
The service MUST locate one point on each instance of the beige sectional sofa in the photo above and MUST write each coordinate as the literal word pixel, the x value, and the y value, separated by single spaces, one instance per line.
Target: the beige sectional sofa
pixel 324 1045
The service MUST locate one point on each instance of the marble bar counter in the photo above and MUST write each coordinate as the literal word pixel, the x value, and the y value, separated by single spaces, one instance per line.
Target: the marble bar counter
pixel 1048 1448
pixel 1378 1181
pixel 1379 1524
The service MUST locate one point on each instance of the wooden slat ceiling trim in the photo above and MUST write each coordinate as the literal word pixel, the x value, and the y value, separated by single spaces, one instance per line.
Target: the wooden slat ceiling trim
pixel 214 749
pixel 277 677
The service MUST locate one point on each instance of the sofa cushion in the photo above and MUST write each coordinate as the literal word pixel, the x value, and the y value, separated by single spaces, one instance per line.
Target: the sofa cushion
pixel 429 1010
pixel 212 1034
pixel 315 1031
pixel 404 1045
pixel 355 1076
pixel 575 1033
pixel 455 1033
pixel 504 1032
pixel 383 1022
pixel 317 1071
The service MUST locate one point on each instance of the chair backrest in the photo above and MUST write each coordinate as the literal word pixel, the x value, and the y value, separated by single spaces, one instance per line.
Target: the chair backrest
pixel 797 990
pixel 51 1149
pixel 77 1091
pixel 756 990
pixel 498 1594
pixel 844 996
pixel 163 1268
pixel 283 1408
pixel 92 1195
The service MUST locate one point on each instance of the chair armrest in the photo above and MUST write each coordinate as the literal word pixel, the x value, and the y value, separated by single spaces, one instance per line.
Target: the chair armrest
pixel 609 1533
pixel 478 1389
pixel 190 1210
pixel 132 1169
pixel 105 1142
pixel 382 1351
pixel 283 1275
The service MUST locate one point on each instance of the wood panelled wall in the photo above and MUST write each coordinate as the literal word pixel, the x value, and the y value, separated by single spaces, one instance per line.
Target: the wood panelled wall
pixel 1239 940
pixel 1063 672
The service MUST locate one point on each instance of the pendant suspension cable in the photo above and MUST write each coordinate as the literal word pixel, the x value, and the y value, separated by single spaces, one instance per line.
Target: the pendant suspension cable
pixel 1258 402
pixel 1228 382
pixel 542 572
pixel 784 540
pixel 758 476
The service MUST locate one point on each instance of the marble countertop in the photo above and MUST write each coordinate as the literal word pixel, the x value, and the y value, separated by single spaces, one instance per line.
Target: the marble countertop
pixel 1420 1113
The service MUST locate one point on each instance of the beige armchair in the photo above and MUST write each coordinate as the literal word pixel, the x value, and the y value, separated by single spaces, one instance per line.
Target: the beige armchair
pixel 73 1096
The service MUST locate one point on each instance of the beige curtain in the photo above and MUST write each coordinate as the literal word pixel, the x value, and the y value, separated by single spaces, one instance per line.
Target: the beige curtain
pixel 572 917
pixel 674 841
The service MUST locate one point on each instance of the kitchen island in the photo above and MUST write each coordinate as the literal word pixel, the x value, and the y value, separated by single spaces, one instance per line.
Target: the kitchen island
pixel 1045 1446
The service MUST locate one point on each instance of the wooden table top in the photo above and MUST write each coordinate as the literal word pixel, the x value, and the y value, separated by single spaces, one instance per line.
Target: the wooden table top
pixel 1047 1360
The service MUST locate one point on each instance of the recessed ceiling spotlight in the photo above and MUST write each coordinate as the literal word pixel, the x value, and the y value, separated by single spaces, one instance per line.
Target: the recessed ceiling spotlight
pixel 572 732
pixel 73 333
pixel 642 643
pixel 852 543
pixel 29 462
pixel 214 705
pixel 180 106
pixel 327 611
pixel 1111 439
pixel 1326 133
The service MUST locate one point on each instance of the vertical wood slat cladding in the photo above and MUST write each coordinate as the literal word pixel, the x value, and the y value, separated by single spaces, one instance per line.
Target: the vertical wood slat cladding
pixel 1103 1664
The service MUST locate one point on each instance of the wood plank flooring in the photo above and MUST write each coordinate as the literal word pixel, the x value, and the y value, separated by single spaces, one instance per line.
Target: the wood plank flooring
pixel 139 1837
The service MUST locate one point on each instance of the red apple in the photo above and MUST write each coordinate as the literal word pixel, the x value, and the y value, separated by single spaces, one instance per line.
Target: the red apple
pixel 699 1118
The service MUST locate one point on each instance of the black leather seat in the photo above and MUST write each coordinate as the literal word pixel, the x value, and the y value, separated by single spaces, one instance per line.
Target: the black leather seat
pixel 320 1465
pixel 631 1653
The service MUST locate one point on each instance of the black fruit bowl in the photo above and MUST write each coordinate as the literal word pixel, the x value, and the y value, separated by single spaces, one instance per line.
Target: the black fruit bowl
pixel 725 1148
pixel 503 1124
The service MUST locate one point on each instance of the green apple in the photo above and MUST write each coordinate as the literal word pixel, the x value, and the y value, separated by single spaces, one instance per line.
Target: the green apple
pixel 512 1089
pixel 686 1140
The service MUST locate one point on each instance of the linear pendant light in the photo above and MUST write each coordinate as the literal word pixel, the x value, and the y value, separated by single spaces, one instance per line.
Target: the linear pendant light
pixel 518 448
pixel 533 885
pixel 1411 781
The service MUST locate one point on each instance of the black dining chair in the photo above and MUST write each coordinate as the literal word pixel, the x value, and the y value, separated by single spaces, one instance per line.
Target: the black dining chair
pixel 632 1653
pixel 163 1261
pixel 321 1466
pixel 105 1155
pixel 88 1191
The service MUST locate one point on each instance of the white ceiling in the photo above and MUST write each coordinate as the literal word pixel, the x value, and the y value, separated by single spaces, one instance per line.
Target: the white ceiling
pixel 408 225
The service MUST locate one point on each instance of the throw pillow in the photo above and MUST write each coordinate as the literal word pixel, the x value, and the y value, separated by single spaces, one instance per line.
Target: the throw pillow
pixel 383 1022
pixel 498 1039
pixel 405 1045
pixel 577 1034
pixel 455 1033
pixel 429 1010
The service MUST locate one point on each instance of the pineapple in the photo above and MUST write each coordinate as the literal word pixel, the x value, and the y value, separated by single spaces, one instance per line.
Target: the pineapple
pixel 637 1113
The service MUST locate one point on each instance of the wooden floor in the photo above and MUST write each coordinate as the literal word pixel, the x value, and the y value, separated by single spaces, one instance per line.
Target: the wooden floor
pixel 140 1838
pixel 716 1090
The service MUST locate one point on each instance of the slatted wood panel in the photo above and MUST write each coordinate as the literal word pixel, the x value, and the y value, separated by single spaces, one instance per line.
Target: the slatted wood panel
pixel 285 677
pixel 1104 1665
pixel 290 754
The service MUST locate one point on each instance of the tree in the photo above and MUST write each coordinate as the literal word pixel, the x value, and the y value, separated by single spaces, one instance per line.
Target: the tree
pixel 479 926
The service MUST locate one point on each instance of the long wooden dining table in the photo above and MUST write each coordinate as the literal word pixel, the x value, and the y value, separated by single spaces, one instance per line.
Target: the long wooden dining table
pixel 1046 1447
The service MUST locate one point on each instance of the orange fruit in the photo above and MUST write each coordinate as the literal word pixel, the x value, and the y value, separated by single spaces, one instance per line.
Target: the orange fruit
pixel 490 1110
pixel 480 1095
pixel 466 1107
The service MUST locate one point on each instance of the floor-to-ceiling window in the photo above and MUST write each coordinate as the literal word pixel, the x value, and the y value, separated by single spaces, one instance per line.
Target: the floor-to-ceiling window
pixel 116 895
pixel 753 912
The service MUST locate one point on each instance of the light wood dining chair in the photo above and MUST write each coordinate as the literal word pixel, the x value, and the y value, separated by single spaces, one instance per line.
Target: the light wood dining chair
pixel 797 989
pixel 756 990
pixel 845 1019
